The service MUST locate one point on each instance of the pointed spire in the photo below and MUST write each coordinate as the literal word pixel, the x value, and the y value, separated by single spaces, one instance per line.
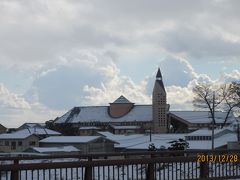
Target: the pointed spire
pixel 159 79
pixel 159 74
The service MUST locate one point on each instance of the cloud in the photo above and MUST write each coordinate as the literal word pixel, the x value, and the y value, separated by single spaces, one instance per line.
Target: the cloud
pixel 84 79
pixel 42 31
pixel 198 43
pixel 233 76
pixel 16 110
pixel 11 100
pixel 177 71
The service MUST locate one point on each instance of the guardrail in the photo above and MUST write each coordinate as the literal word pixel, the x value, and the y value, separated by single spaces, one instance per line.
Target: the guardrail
pixel 166 165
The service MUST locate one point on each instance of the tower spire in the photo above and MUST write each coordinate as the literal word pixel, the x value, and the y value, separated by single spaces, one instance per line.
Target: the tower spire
pixel 159 75
pixel 159 78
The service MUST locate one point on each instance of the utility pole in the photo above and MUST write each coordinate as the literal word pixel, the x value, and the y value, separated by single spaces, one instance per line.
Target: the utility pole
pixel 213 119
pixel 150 134
pixel 238 131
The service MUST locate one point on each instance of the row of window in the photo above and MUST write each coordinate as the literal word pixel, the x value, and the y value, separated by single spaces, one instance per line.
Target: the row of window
pixel 106 124
pixel 198 138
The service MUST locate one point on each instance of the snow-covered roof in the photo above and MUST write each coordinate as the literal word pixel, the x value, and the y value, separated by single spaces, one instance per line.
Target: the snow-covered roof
pixel 141 141
pixel 70 139
pixel 202 116
pixel 100 114
pixel 14 136
pixel 55 149
pixel 37 131
pixel 138 113
pixel 105 133
pixel 24 133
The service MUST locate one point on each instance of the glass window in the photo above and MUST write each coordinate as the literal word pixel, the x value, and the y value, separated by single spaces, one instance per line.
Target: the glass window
pixel 19 143
pixel 6 143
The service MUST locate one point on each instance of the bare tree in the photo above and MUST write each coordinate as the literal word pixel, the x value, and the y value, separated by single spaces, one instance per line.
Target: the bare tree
pixel 231 96
pixel 207 96
pixel 225 97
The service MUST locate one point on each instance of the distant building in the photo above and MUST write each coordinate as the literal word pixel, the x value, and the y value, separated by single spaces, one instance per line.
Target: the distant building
pixel 86 144
pixel 32 125
pixel 202 138
pixel 39 132
pixel 20 140
pixel 17 142
pixel 123 116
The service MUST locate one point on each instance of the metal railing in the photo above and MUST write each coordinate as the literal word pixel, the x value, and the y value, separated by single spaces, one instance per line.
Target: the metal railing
pixel 166 165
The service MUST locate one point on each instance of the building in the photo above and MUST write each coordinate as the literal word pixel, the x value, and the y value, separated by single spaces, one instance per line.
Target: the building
pixel 32 125
pixel 123 116
pixel 38 131
pixel 202 138
pixel 86 144
pixel 22 139
pixel 16 142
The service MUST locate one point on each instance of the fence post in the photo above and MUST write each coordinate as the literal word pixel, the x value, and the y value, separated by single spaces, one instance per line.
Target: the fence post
pixel 88 171
pixel 150 171
pixel 14 173
pixel 204 170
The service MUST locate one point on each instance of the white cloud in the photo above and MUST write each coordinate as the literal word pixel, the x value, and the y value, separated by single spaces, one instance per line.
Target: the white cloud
pixel 232 76
pixel 15 110
pixel 71 50
pixel 11 100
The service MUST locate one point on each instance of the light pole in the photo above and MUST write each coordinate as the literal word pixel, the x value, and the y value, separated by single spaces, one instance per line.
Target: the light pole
pixel 213 119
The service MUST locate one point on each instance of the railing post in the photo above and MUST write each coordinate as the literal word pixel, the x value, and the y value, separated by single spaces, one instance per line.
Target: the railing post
pixel 88 171
pixel 150 171
pixel 204 170
pixel 14 173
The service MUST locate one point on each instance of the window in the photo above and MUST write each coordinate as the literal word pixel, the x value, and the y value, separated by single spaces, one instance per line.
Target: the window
pixel 19 143
pixel 1 143
pixel 32 143
pixel 6 143
pixel 13 145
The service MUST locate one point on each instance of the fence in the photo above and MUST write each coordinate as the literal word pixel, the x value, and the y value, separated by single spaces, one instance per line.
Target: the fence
pixel 166 165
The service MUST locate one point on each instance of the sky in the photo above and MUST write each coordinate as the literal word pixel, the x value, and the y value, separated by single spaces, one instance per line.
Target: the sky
pixel 58 54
